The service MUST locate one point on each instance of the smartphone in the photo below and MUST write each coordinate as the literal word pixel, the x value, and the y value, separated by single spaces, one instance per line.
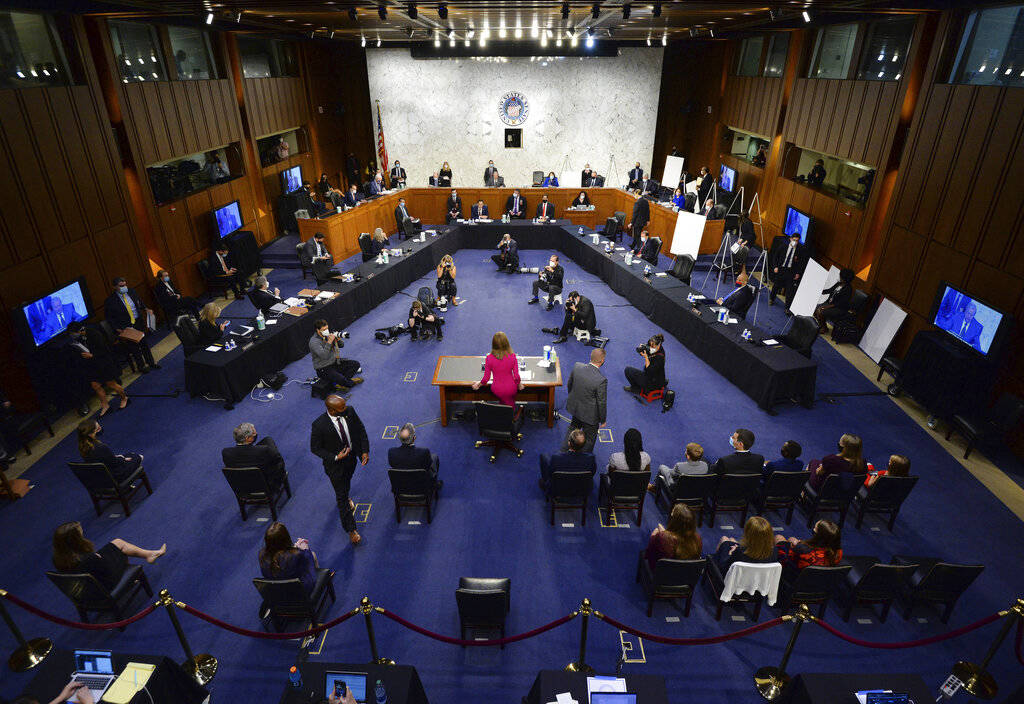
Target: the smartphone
pixel 227 322
pixel 339 688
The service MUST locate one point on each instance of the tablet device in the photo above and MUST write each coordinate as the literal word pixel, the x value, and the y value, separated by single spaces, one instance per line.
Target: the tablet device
pixel 354 680
pixel 612 698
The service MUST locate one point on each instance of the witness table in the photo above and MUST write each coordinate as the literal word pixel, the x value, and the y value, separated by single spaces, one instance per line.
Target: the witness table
pixel 650 689
pixel 401 682
pixel 454 377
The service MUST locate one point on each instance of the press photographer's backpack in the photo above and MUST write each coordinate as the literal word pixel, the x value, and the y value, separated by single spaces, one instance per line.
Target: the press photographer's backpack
pixel 426 297
pixel 668 400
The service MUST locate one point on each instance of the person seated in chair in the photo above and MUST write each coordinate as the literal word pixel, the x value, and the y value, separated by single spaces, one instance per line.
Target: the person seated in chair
pixel 837 305
pixel 379 242
pixel 739 299
pixel 377 186
pixel 636 175
pixel 823 549
pixel 124 309
pixel 221 270
pixel 633 457
pixel 581 201
pixel 282 558
pixel 92 450
pixel 93 361
pixel 515 205
pixel 679 540
pixel 402 213
pixel 210 331
pixel 353 197
pixel 170 299
pixel 693 465
pixel 453 207
pixel 574 459
pixel 479 211
pixel 434 180
pixel 652 376
pixel 789 460
pixel 507 258
pixel 899 466
pixel 263 455
pixel 329 193
pixel 408 456
pixel 679 199
pixel 757 545
pixel 316 208
pixel 318 259
pixel 550 180
pixel 579 315
pixel 646 248
pixel 850 459
pixel 262 297
pixel 742 460
pixel 423 321
pixel 548 280
pixel 446 288
pixel 74 554
pixel 324 347
pixel 545 209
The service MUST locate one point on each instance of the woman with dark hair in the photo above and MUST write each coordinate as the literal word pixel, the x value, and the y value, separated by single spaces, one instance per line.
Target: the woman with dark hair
pixel 503 365
pixel 581 201
pixel 850 459
pixel 94 361
pixel 92 450
pixel 423 321
pixel 757 545
pixel 550 180
pixel 281 558
pixel 679 199
pixel 837 305
pixel 632 458
pixel 73 553
pixel 328 192
pixel 652 376
pixel 821 550
pixel 680 540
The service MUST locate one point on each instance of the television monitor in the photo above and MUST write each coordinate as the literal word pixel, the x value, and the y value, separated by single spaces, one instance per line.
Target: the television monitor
pixel 967 319
pixel 797 221
pixel 50 315
pixel 727 178
pixel 227 218
pixel 291 179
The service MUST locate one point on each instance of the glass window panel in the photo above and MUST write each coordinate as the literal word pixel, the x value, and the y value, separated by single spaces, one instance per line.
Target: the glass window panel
pixel 750 56
pixel 193 59
pixel 778 48
pixel 31 54
pixel 258 57
pixel 885 50
pixel 833 51
pixel 287 60
pixel 137 52
pixel 992 49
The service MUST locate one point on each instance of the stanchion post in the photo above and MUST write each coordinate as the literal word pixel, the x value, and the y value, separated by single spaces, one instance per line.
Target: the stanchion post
pixel 200 667
pixel 771 681
pixel 977 680
pixel 367 608
pixel 581 665
pixel 29 652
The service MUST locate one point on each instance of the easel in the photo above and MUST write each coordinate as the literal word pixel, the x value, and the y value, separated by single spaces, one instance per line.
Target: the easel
pixel 723 258
pixel 612 168
pixel 762 258
pixel 565 166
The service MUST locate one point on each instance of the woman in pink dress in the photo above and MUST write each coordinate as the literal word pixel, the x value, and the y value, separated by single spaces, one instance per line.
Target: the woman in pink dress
pixel 502 363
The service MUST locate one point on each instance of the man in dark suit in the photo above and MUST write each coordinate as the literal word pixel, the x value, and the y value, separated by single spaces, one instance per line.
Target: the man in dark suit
pixel 490 173
pixel 545 210
pixel 967 328
pixel 170 299
pixel 646 248
pixel 124 309
pixel 647 187
pixel 397 175
pixel 575 458
pixel 704 187
pixel 507 258
pixel 742 460
pixel 550 281
pixel 377 185
pixel 588 399
pixel 338 438
pixel 515 205
pixel 635 175
pixel 587 177
pixel 787 259
pixel 402 213
pixel 264 455
pixel 262 297
pixel 315 207
pixel 454 207
pixel 222 269
pixel 353 197
pixel 739 299
pixel 408 456
pixel 317 258
pixel 639 219
pixel 579 314
pixel 479 210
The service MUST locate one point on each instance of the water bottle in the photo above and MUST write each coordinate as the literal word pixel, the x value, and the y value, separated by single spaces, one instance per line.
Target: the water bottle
pixel 647 270
pixel 380 693
pixel 295 678
pixel 580 231
pixel 385 253
pixel 261 322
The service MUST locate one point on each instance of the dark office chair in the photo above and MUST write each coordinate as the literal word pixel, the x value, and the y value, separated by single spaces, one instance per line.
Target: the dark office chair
pixel 625 490
pixel 483 604
pixel 412 487
pixel 214 284
pixel 651 257
pixel 780 493
pixel 670 580
pixel 858 301
pixel 682 268
pixel 997 422
pixel 620 218
pixel 286 600
pixel 538 178
pixel 89 596
pixel 886 495
pixel 188 334
pixel 694 490
pixel 26 426
pixel 252 488
pixel 500 424
pixel 716 583
pixel 102 486
pixel 936 582
pixel 834 496
pixel 872 582
pixel 306 268
pixel 366 247
pixel 802 334
pixel 569 490
pixel 733 494
pixel 813 585
pixel 407 229
pixel 121 356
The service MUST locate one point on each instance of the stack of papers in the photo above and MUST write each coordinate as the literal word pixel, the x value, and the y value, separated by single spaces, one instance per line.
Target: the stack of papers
pixel 292 302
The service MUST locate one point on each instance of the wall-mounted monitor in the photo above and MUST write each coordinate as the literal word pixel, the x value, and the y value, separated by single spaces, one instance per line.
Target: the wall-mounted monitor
pixel 227 219
pixel 291 179
pixel 798 222
pixel 727 178
pixel 48 316
pixel 967 319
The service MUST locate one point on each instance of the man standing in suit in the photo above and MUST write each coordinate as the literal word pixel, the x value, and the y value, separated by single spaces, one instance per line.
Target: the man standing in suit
pixel 170 299
pixel 317 258
pixel 787 259
pixel 454 207
pixel 262 297
pixel 739 300
pixel 338 437
pixel 353 197
pixel 635 175
pixel 124 309
pixel 222 270
pixel 490 173
pixel 639 219
pixel 588 400
pixel 264 455
pixel 579 314
pixel 515 205
pixel 479 210
pixel 550 281
pixel 967 328
pixel 397 175
pixel 574 458
pixel 507 258
pixel 545 210
pixel 587 177
pixel 742 460
pixel 401 213
pixel 704 184
pixel 408 456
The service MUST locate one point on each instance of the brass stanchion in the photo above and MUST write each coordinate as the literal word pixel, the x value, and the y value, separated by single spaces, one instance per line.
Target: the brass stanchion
pixel 29 652
pixel 976 679
pixel 581 665
pixel 367 608
pixel 200 667
pixel 770 681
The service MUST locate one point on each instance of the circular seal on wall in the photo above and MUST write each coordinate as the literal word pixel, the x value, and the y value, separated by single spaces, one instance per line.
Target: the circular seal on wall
pixel 513 108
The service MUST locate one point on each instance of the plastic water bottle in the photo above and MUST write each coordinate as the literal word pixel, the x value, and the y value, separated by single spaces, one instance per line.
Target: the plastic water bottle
pixel 295 678
pixel 261 322
pixel 647 270
pixel 385 253
pixel 580 231
pixel 380 693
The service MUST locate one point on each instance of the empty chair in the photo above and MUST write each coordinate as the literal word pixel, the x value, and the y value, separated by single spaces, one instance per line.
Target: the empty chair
pixel 833 497
pixel 483 604
pixel 651 256
pixel 936 582
pixel 780 492
pixel 872 582
pixel 286 600
pixel 858 300
pixel 90 596
pixel 102 486
pixel 251 488
pixel 538 178
pixel 733 494
pixel 625 490
pixel 670 579
pixel 26 426
pixel 570 490
pixel 413 487
pixel 743 583
pixel 406 229
pixel 620 218
pixel 886 495
pixel 500 425
pixel 682 267
pixel 365 248
pixel 893 366
pixel 306 268
pixel 611 227
pixel 802 334
pixel 997 422
pixel 694 490
pixel 813 585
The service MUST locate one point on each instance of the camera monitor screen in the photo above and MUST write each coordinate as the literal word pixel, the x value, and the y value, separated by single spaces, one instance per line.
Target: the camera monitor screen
pixel 965 318
pixel 337 681
pixel 228 219
pixel 291 179
pixel 797 222
pixel 50 315
pixel 727 179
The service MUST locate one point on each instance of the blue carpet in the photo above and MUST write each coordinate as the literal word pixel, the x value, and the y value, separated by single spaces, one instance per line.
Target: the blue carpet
pixel 491 519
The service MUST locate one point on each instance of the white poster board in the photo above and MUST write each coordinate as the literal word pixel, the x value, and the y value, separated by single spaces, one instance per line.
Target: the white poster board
pixel 571 179
pixel 673 170
pixel 688 234
pixel 830 280
pixel 812 283
pixel 882 328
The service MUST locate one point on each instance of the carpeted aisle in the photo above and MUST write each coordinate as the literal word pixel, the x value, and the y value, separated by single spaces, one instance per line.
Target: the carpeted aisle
pixel 491 519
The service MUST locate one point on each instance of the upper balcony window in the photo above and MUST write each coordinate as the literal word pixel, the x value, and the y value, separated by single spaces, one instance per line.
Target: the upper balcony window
pixel 31 54
pixel 833 51
pixel 885 50
pixel 137 51
pixel 193 56
pixel 267 58
pixel 749 62
pixel 991 51
pixel 778 48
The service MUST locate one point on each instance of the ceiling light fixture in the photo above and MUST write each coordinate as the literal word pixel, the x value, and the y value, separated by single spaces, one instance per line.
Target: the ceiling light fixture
pixel 534 32
pixel 590 41
pixel 558 41
pixel 451 39
pixel 572 39
pixel 664 39
pixel 332 34
pixel 483 39
pixel 807 18
pixel 209 18
pixel 467 41
pixel 378 41
pixel 362 40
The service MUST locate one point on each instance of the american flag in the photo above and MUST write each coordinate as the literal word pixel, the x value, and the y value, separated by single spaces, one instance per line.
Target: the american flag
pixel 382 151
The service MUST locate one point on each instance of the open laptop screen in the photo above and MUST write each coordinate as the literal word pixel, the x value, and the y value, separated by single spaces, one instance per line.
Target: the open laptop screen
pixel 96 662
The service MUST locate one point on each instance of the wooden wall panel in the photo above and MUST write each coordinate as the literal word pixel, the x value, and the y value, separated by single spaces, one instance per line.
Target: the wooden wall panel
pixel 896 267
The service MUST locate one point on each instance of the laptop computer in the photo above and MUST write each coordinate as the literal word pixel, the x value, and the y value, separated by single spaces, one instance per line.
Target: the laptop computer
pixel 95 669
pixel 612 698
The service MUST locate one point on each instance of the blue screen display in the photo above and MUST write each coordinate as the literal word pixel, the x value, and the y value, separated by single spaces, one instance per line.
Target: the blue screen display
pixel 355 682
pixel 50 315
pixel 727 179
pixel 966 319
pixel 291 179
pixel 796 222
pixel 228 218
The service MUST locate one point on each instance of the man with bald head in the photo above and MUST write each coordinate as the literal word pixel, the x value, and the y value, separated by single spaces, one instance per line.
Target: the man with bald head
pixel 588 399
pixel 338 437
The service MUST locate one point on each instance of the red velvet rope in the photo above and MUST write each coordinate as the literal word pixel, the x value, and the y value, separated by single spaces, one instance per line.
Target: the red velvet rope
pixel 711 640
pixel 268 636
pixel 910 643
pixel 78 624
pixel 460 641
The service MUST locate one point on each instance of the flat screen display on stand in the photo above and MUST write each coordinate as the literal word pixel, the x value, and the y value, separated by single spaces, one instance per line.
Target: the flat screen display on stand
pixel 227 219
pixel 975 324
pixel 291 179
pixel 799 222
pixel 49 316
pixel 727 178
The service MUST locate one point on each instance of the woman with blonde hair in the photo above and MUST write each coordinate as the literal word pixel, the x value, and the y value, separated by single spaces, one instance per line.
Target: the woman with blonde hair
pixel 210 331
pixel 446 288
pixel 503 365
pixel 757 545
pixel 379 242
pixel 73 553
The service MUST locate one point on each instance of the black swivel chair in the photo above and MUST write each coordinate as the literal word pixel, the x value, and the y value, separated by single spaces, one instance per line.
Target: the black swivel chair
pixel 538 178
pixel 997 422
pixel 89 596
pixel 620 219
pixel 569 490
pixel 413 487
pixel 682 268
pixel 813 585
pixel 694 490
pixel 252 488
pixel 780 492
pixel 306 268
pixel 733 494
pixel 625 490
pixel 286 600
pixel 366 247
pixel 802 334
pixel 483 604
pixel 886 495
pixel 871 582
pixel 121 356
pixel 500 424
pixel 652 256
pixel 188 334
pixel 936 582
pixel 214 284
pixel 834 496
pixel 670 580
pixel 102 486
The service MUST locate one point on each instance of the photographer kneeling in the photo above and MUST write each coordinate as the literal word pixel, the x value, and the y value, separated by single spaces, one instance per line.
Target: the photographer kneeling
pixel 422 321
pixel 446 288
pixel 652 376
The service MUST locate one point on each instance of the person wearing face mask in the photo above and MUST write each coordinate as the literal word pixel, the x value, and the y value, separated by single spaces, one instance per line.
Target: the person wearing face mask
pixel 124 310
pixel 545 210
pixel 264 455
pixel 652 376
pixel 454 208
pixel 328 363
pixel 646 248
pixel 550 181
pixel 353 197
pixel 742 460
pixel 581 201
pixel 587 176
pixel 170 299
pixel 445 175
pixel 222 270
pixel 550 281
pixel 377 185
pixel 490 173
pixel 446 287
pixel 94 363
pixel 397 175
pixel 92 450
pixel 338 437
pixel 262 297
pixel 515 205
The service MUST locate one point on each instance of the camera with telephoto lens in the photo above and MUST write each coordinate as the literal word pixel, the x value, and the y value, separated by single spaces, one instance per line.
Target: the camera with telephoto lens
pixel 643 349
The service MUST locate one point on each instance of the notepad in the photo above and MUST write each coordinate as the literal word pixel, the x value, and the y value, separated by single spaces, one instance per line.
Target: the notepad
pixel 213 348
pixel 661 273
pixel 272 321
pixel 131 681
pixel 769 341
pixel 307 292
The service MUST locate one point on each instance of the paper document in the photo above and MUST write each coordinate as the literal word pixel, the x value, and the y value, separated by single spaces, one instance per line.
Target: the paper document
pixel 272 321
pixel 526 375
pixel 605 684
pixel 293 301
pixel 213 348
pixel 769 341
pixel 661 273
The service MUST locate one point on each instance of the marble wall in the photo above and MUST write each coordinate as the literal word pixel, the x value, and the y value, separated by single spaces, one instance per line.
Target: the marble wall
pixel 447 109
